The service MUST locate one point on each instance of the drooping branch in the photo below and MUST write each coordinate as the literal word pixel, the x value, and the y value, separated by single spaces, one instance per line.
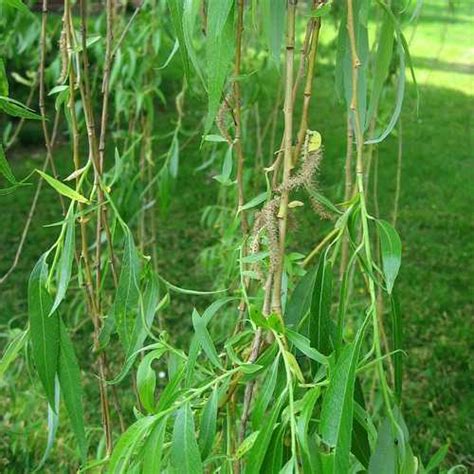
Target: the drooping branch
pixel 288 153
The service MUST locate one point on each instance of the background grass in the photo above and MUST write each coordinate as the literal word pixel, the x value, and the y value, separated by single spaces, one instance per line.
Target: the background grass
pixel 435 223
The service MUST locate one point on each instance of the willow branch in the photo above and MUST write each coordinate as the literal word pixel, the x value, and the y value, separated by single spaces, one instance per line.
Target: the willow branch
pixel 238 119
pixel 288 154
pixel 308 89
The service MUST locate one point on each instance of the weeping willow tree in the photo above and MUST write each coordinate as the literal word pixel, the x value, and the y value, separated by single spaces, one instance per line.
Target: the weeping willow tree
pixel 291 368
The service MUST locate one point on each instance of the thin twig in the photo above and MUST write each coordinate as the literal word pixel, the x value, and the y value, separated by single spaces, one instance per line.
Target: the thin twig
pixel 238 119
pixel 288 154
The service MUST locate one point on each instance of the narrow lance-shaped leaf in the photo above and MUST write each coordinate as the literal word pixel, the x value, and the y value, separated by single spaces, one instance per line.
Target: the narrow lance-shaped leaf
pixel 255 458
pixel 5 168
pixel 384 457
pixel 397 336
pixel 205 339
pixel 12 351
pixel 360 439
pixel 125 447
pixel 307 403
pixel 362 39
pixel 273 12
pixel 302 344
pixel 273 460
pixel 143 322
pixel 66 260
pixel 220 50
pixel 195 342
pixel 176 10
pixel 17 4
pixel 265 395
pixel 319 323
pixel 53 422
pixel 146 379
pixel 70 381
pixel 391 247
pixel 172 389
pixel 300 300
pixel 338 403
pixel 437 458
pixel 153 449
pixel 63 189
pixel 207 431
pixel 382 63
pixel 399 98
pixel 124 310
pixel 3 79
pixel 44 329
pixel 17 109
pixel 185 456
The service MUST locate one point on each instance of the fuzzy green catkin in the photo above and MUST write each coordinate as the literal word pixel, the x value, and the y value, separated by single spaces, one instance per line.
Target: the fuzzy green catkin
pixel 64 57
pixel 267 220
pixel 222 117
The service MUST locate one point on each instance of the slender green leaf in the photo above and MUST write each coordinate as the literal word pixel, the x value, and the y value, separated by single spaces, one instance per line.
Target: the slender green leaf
pixel 190 14
pixel 70 381
pixel 302 343
pixel 307 403
pixel 176 10
pixel 17 109
pixel 185 456
pixel 146 379
pixel 437 458
pixel 214 138
pixel 265 395
pixel 273 14
pixel 397 336
pixel 5 168
pixel 274 456
pixel 207 428
pixel 319 323
pixel 17 4
pixel 220 50
pixel 254 202
pixel 172 389
pixel 384 457
pixel 127 443
pixel 3 79
pixel 391 246
pixel 148 309
pixel 66 260
pixel 44 329
pixel 246 444
pixel 153 449
pixel 360 439
pixel 12 350
pixel 63 189
pixel 382 64
pixel 338 404
pixel 205 339
pixel 255 458
pixel 124 310
pixel 53 422
pixel 399 98
pixel 300 300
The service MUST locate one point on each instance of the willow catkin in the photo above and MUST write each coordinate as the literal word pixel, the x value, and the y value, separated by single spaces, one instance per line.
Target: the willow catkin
pixel 222 117
pixel 266 220
pixel 64 57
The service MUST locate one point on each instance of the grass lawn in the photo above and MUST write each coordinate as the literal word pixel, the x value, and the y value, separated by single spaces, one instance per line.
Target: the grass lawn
pixel 435 222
